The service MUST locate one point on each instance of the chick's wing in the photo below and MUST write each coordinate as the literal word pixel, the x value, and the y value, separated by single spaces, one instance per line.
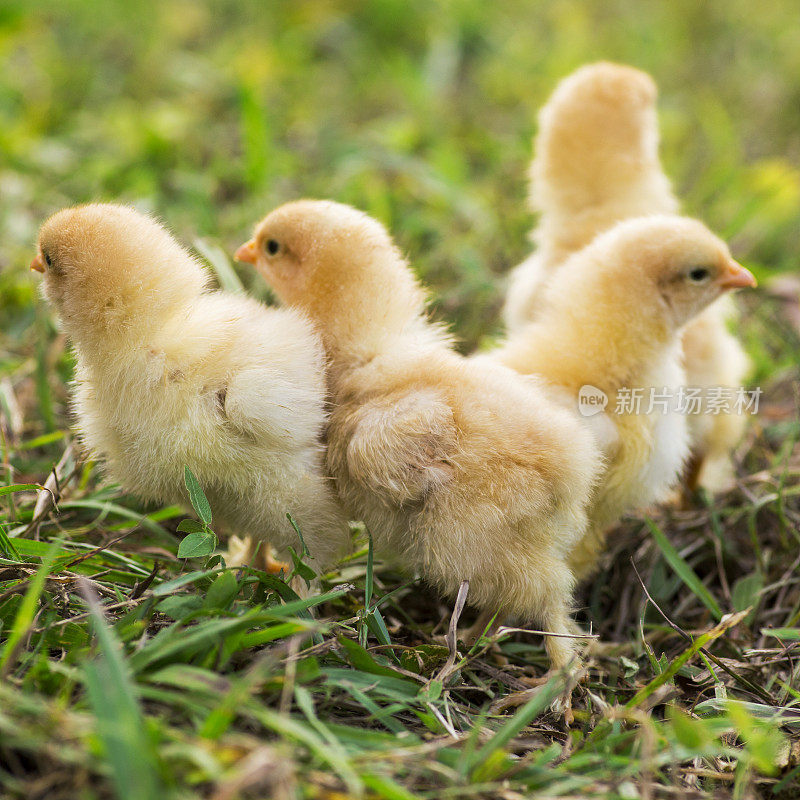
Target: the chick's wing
pixel 401 446
pixel 266 407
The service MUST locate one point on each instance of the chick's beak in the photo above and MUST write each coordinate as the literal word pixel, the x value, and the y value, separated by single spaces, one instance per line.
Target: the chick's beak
pixel 247 252
pixel 37 263
pixel 736 277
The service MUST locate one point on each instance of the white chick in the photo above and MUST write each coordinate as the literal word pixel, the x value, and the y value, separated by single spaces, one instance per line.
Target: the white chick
pixel 462 471
pixel 611 319
pixel 170 373
pixel 596 163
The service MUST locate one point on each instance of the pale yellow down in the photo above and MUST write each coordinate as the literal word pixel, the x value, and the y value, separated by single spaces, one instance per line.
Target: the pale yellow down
pixel 170 373
pixel 596 162
pixel 461 470
pixel 611 317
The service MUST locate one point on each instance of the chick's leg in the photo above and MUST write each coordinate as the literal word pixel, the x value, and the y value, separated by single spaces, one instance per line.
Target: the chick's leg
pixel 562 651
pixel 563 658
pixel 562 648
pixel 561 644
pixel 251 552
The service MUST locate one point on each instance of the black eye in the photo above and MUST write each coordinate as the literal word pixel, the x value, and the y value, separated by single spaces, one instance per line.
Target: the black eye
pixel 699 275
pixel 272 246
pixel 47 259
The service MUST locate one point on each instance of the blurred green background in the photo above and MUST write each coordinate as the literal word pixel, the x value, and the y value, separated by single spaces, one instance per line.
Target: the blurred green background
pixel 419 112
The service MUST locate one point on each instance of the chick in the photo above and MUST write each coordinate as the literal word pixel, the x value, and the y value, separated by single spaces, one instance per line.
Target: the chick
pixel 610 321
pixel 170 373
pixel 596 163
pixel 463 471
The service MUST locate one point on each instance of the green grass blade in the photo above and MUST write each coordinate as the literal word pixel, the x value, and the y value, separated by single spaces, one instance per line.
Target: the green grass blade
pixel 120 725
pixel 535 706
pixel 216 256
pixel 680 660
pixel 684 571
pixel 20 487
pixel 27 611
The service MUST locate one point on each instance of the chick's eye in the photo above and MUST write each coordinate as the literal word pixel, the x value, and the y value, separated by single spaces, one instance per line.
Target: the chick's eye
pixel 272 246
pixel 47 259
pixel 699 275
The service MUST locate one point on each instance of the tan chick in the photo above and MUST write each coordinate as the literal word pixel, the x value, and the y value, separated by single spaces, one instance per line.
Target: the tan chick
pixel 170 373
pixel 611 319
pixel 596 163
pixel 461 471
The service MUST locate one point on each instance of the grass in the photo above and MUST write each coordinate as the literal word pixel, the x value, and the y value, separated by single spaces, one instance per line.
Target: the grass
pixel 128 672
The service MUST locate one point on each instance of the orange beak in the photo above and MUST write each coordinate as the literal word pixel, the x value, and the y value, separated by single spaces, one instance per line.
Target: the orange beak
pixel 37 263
pixel 247 252
pixel 736 277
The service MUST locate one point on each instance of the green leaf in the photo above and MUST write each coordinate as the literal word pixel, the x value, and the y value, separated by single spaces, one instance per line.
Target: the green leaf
pixel 41 441
pixel 685 572
pixel 197 545
pixel 70 636
pixel 781 715
pixel 196 496
pixel 191 526
pixel 382 714
pixel 37 549
pixel 179 606
pixel 300 568
pixel 177 642
pixel 222 592
pixel 363 660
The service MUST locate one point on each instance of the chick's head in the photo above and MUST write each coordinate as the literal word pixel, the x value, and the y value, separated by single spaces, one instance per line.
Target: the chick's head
pixel 334 262
pixel 108 268
pixel 598 139
pixel 605 82
pixel 663 267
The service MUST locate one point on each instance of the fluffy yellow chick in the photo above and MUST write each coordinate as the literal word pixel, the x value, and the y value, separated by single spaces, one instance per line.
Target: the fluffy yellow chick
pixel 610 320
pixel 596 163
pixel 461 470
pixel 170 373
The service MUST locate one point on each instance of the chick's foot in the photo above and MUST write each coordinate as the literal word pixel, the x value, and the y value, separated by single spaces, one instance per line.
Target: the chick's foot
pixel 250 552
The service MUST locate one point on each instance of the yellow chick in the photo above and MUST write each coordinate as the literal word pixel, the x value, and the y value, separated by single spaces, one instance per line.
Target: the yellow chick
pixel 596 163
pixel 461 470
pixel 170 373
pixel 609 327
